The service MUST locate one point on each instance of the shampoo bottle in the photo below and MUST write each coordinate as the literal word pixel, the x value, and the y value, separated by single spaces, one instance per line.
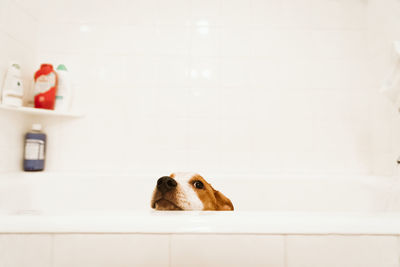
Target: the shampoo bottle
pixel 63 95
pixel 13 90
pixel 35 149
pixel 45 87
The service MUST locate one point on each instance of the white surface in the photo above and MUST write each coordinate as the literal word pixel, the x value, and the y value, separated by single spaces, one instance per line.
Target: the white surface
pixel 335 251
pixel 237 222
pixel 83 250
pixel 111 250
pixel 25 250
pixel 241 86
pixel 227 250
pixel 85 192
pixel 382 28
pixel 211 62
pixel 41 112
pixel 17 32
pixel 268 204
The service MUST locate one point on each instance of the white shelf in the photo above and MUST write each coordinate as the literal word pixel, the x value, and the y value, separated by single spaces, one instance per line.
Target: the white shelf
pixel 41 112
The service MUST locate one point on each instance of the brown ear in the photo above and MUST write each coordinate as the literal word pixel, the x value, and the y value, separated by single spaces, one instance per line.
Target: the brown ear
pixel 223 203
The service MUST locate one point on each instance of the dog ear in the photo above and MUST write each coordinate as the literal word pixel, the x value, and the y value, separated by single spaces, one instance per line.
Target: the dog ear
pixel 223 203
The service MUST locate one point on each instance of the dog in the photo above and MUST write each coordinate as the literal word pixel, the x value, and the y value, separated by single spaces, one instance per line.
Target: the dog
pixel 187 191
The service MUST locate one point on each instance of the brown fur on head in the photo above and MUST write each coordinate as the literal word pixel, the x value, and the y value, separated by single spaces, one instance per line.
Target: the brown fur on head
pixel 188 191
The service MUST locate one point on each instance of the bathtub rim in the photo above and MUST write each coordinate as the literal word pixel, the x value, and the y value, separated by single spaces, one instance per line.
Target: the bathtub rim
pixel 204 222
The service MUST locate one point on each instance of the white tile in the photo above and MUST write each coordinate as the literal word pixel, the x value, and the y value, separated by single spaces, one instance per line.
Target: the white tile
pixel 268 13
pixel 23 250
pixel 302 74
pixel 141 40
pixel 173 12
pixel 204 103
pixel 298 13
pixel 237 135
pixel 236 12
pixel 18 23
pixel 67 38
pixel 204 41
pixel 110 250
pixel 141 12
pixel 237 103
pixel 338 44
pixel 338 14
pixel 268 42
pixel 172 103
pixel 206 12
pixel 236 72
pixel 172 41
pixel 142 71
pixel 297 44
pixel 111 70
pixel 271 73
pixel 203 161
pixel 173 72
pixel 227 250
pixel 339 74
pixel 75 11
pixel 236 42
pixel 204 72
pixel 342 251
pixel 171 134
pixel 203 134
pixel 163 160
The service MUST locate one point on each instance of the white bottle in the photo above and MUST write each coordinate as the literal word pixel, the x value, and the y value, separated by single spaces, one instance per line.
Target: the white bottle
pixel 13 90
pixel 63 94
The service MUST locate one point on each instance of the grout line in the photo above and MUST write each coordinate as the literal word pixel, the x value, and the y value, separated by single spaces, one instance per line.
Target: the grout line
pixel 52 250
pixel 169 250
pixel 398 250
pixel 285 254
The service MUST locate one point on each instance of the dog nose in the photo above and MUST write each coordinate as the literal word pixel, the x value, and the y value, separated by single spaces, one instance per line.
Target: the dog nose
pixel 165 184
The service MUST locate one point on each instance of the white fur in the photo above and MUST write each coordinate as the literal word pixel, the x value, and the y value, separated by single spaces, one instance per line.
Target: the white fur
pixel 186 196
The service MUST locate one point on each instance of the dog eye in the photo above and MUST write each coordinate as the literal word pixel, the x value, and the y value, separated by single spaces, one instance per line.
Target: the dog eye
pixel 198 185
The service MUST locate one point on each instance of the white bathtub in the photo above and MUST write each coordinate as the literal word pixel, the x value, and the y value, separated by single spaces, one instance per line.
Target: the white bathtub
pixel 274 203
pixel 66 214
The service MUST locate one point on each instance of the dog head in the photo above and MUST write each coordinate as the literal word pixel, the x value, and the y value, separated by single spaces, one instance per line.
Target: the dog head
pixel 187 191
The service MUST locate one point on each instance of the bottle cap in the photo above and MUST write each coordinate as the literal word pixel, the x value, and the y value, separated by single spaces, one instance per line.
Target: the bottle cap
pixel 62 67
pixel 36 127
pixel 46 65
pixel 15 65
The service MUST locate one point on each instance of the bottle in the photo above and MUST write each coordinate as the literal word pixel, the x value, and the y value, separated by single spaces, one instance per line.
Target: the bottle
pixel 35 149
pixel 63 95
pixel 45 87
pixel 13 90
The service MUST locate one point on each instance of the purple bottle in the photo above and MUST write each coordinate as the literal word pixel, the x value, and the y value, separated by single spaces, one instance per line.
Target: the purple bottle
pixel 35 149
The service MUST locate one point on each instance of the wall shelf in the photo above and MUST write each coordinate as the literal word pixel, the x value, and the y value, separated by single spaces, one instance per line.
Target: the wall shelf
pixel 41 112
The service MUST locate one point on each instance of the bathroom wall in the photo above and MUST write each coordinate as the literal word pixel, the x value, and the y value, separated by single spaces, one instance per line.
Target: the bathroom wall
pixel 233 86
pixel 17 43
pixel 175 250
pixel 383 28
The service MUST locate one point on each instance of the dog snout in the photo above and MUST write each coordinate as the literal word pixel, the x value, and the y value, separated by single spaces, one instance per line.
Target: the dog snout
pixel 165 184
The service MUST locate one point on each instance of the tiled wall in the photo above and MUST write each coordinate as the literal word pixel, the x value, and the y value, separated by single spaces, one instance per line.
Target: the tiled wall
pixel 17 43
pixel 215 85
pixel 98 250
pixel 383 28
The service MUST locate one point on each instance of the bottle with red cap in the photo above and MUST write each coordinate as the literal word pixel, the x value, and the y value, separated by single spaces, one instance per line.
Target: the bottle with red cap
pixel 45 87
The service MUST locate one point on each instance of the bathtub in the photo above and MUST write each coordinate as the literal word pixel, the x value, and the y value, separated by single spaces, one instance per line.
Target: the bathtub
pixel 279 220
